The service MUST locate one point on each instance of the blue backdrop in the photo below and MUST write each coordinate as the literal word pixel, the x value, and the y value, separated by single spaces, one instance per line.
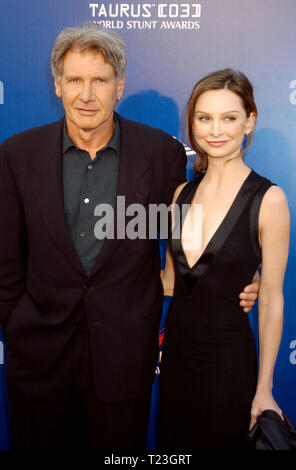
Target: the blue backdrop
pixel 170 45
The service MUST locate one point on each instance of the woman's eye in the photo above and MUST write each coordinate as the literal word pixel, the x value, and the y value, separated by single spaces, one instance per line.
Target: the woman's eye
pixel 230 118
pixel 203 118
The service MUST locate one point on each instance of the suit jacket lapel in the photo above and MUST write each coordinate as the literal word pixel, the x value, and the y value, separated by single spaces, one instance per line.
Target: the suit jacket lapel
pixel 132 183
pixel 48 188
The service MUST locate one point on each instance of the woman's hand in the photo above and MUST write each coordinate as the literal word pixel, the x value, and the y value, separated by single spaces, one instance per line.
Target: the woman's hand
pixel 263 400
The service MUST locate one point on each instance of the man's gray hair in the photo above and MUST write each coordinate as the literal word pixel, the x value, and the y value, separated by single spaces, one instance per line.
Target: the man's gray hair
pixel 89 37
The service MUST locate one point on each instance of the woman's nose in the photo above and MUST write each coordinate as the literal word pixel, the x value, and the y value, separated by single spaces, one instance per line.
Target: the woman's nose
pixel 216 128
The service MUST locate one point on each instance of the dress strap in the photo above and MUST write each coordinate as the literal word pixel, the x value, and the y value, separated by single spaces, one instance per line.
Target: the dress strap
pixel 182 205
pixel 187 193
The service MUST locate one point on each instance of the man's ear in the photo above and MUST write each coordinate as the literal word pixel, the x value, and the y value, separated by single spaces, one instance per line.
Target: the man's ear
pixel 120 88
pixel 58 89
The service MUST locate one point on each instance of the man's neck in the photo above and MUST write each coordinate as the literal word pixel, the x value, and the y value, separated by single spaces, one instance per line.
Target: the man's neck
pixel 91 140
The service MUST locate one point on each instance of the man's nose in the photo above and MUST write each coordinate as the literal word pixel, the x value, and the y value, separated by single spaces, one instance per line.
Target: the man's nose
pixel 87 92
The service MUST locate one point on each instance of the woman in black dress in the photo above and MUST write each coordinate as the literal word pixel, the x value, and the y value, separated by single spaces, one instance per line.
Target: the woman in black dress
pixel 236 221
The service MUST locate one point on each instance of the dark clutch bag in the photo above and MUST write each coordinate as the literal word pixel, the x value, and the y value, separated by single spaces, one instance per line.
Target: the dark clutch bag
pixel 272 433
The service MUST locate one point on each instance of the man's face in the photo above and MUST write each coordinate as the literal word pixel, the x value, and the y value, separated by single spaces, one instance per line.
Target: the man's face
pixel 89 90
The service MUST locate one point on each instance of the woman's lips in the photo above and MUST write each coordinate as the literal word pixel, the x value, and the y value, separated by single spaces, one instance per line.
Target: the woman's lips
pixel 215 143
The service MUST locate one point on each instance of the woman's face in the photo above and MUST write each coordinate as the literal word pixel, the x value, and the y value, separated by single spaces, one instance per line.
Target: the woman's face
pixel 220 123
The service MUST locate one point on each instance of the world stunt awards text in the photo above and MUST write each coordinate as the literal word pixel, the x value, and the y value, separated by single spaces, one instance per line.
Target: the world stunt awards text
pixel 153 16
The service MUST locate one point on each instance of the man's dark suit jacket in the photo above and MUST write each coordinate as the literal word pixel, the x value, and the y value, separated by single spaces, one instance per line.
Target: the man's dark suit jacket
pixel 44 290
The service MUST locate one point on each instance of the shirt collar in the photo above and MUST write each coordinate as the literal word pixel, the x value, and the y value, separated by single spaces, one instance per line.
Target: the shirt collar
pixel 113 143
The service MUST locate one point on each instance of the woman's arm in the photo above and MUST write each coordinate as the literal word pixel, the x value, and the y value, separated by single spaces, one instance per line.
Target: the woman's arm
pixel 274 226
pixel 167 275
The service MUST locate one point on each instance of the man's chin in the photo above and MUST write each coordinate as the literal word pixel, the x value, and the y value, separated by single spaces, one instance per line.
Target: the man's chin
pixel 87 125
pixel 88 129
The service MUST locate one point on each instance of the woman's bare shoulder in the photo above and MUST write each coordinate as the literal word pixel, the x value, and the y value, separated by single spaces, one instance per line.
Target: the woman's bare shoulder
pixel 274 197
pixel 178 190
pixel 274 208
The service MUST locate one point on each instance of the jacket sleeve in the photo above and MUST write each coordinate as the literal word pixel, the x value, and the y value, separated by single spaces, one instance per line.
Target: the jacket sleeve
pixel 13 244
pixel 176 171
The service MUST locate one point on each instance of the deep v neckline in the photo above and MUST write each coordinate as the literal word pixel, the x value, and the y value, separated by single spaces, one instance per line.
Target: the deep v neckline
pixel 220 226
pixel 191 278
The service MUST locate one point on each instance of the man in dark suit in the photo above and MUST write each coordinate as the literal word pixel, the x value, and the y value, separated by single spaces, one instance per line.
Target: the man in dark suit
pixel 80 315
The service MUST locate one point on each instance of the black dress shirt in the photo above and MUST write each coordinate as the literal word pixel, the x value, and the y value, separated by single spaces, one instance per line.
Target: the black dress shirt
pixel 87 183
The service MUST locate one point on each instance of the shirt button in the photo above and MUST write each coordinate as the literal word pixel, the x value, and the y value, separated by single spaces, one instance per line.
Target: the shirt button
pixel 86 200
pixel 89 167
pixel 82 234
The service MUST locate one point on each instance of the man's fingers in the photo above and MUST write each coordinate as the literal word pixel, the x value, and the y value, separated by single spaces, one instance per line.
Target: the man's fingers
pixel 250 296
pixel 256 277
pixel 252 288
pixel 244 303
pixel 247 304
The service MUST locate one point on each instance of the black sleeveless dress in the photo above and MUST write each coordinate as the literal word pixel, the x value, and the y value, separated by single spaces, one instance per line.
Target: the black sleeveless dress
pixel 209 364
